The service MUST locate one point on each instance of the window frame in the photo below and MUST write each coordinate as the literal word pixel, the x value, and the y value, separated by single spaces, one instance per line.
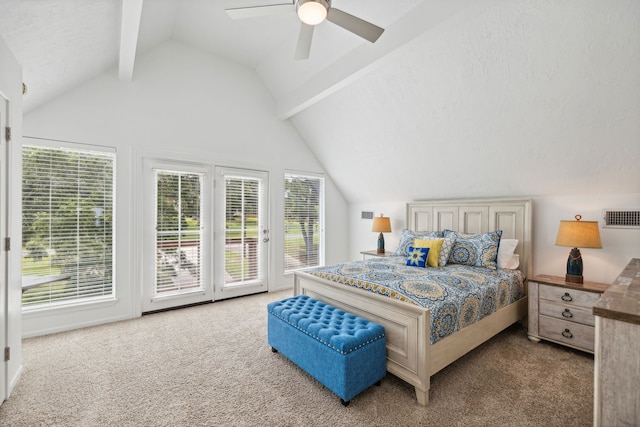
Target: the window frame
pixel 320 219
pixel 85 149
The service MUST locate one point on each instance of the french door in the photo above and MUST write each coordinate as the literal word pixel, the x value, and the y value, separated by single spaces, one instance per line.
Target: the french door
pixel 241 232
pixel 177 235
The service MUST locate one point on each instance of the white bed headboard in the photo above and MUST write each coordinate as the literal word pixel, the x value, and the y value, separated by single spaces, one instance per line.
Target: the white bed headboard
pixel 512 216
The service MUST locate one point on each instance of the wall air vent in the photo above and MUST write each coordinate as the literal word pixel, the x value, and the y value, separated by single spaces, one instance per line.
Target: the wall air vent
pixel 367 215
pixel 621 218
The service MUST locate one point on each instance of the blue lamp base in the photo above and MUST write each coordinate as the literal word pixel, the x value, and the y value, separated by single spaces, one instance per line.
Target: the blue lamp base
pixel 574 267
pixel 380 244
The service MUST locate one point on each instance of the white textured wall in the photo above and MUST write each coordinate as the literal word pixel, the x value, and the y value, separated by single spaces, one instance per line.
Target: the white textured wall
pixel 193 105
pixel 528 98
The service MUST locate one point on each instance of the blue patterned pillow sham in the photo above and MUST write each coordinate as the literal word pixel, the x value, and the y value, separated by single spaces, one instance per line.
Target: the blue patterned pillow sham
pixel 417 257
pixel 479 250
pixel 445 250
pixel 409 236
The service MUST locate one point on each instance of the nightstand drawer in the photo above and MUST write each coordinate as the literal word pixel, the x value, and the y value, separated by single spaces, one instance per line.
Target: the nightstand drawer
pixel 568 312
pixel 569 296
pixel 570 333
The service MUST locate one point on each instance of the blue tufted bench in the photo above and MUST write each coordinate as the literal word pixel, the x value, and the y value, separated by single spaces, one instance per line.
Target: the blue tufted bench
pixel 346 353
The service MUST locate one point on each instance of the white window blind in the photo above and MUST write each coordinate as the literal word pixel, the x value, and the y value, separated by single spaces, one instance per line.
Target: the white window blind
pixel 242 229
pixel 303 221
pixel 67 225
pixel 178 233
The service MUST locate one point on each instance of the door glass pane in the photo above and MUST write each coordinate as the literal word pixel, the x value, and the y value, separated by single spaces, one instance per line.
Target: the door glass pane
pixel 178 233
pixel 242 230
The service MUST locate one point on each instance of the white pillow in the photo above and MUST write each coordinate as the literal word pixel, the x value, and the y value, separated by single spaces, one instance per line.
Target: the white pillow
pixel 506 254
pixel 513 263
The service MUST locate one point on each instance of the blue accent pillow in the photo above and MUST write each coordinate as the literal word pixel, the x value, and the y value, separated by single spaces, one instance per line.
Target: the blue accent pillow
pixel 417 256
pixel 409 236
pixel 478 250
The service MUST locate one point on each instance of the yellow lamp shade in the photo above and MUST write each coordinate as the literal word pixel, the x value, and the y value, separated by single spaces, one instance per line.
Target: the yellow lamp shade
pixel 381 224
pixel 579 234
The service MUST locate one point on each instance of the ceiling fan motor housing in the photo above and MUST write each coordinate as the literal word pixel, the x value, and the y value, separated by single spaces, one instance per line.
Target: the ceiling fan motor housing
pixel 312 12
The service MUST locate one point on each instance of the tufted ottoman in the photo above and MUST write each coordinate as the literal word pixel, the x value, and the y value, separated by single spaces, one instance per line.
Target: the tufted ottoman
pixel 344 352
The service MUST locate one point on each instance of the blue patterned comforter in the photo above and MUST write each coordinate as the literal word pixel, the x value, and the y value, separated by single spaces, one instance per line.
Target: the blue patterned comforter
pixel 456 295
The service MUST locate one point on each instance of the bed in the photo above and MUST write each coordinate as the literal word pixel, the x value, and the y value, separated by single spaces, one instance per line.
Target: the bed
pixel 412 353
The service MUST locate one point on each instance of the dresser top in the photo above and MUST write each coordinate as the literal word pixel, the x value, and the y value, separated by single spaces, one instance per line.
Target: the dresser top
pixel 621 301
pixel 559 281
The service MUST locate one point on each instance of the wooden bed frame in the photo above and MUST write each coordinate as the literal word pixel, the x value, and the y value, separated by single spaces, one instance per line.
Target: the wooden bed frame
pixel 410 355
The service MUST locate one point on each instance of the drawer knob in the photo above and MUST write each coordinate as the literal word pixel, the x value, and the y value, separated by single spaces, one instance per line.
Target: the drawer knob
pixel 567 313
pixel 567 333
pixel 566 297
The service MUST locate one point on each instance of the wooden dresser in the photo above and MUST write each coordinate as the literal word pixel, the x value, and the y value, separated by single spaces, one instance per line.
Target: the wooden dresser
pixel 617 351
pixel 562 312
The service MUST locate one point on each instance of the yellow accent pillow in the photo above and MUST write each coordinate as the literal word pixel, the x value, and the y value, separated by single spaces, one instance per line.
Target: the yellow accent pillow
pixel 434 249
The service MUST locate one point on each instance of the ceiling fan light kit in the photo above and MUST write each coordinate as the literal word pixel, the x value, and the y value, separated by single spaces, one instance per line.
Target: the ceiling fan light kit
pixel 312 12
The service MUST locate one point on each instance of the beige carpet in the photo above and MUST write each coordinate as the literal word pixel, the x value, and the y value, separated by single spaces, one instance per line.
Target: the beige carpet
pixel 211 365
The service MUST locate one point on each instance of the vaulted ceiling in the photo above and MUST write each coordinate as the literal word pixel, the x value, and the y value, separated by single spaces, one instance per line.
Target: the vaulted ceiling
pixel 63 43
pixel 461 98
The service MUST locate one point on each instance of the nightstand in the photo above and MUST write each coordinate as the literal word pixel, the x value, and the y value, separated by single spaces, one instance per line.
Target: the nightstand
pixel 562 312
pixel 375 253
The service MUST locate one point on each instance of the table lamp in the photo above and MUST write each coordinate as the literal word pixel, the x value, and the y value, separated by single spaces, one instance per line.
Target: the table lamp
pixel 381 224
pixel 576 233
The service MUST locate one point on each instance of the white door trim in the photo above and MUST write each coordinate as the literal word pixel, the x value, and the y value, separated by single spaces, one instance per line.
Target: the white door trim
pixel 4 254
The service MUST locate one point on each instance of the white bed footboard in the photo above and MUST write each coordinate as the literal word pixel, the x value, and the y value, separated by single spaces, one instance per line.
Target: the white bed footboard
pixel 410 355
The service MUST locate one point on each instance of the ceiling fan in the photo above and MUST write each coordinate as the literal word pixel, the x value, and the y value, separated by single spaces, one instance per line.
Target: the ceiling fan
pixel 311 13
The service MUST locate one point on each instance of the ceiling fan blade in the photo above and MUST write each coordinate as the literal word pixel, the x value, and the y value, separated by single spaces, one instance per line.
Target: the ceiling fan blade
pixel 304 41
pixel 257 11
pixel 357 26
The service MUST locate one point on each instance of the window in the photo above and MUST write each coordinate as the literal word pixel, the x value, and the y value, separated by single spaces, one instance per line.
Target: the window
pixel 67 225
pixel 303 221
